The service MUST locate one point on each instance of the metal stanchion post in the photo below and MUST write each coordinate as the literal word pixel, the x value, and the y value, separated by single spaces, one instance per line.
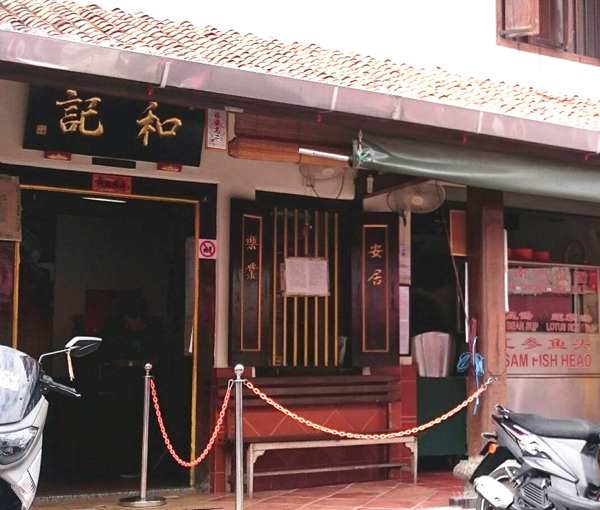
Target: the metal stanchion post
pixel 239 439
pixel 143 501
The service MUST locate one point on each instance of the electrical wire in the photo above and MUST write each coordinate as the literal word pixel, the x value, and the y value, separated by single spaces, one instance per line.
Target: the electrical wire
pixel 341 185
pixel 461 291
pixel 310 183
pixel 467 359
pixel 472 357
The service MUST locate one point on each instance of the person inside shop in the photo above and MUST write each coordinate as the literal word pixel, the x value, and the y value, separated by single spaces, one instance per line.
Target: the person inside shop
pixel 131 338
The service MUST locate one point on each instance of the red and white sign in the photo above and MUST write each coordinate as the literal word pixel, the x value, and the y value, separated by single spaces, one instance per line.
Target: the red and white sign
pixel 120 184
pixel 216 129
pixel 207 249
pixel 168 167
pixel 552 353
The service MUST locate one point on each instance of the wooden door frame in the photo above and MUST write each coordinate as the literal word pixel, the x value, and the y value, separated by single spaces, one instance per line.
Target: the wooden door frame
pixel 50 181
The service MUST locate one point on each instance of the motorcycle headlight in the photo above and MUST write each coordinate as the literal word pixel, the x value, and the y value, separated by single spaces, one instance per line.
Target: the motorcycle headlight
pixel 13 445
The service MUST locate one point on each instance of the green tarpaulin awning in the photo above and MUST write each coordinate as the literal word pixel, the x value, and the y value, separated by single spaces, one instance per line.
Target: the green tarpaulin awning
pixel 477 168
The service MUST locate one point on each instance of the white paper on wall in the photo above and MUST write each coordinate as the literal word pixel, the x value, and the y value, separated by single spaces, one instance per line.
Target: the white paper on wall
pixel 404 317
pixel 306 276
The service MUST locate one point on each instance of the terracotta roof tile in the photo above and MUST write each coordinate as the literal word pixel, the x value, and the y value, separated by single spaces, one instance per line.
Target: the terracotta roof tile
pixel 141 32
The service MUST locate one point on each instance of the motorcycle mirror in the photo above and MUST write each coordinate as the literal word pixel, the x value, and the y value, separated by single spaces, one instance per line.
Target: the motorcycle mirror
pixel 80 346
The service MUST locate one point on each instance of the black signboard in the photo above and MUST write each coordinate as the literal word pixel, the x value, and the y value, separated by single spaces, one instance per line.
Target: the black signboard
pixel 81 122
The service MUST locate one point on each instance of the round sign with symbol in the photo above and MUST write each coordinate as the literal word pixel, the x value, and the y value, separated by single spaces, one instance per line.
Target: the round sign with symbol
pixel 208 249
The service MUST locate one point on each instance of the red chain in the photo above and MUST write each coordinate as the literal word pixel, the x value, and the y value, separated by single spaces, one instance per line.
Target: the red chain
pixel 213 436
pixel 353 435
pixel 340 433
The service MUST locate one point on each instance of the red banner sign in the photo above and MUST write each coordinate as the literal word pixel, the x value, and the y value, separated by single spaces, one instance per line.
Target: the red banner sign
pixel 120 184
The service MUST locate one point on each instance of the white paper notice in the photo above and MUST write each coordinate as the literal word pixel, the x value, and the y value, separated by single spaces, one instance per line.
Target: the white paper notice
pixel 404 316
pixel 306 276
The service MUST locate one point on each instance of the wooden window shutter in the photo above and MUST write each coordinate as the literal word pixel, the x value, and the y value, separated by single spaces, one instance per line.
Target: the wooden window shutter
pixel 375 289
pixel 552 28
pixel 250 273
pixel 521 18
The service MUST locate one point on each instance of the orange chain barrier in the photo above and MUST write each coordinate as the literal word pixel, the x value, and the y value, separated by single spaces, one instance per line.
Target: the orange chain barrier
pixel 298 418
pixel 353 435
pixel 213 437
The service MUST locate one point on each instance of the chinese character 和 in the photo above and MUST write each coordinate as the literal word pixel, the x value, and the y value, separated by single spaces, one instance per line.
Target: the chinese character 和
pixel 151 124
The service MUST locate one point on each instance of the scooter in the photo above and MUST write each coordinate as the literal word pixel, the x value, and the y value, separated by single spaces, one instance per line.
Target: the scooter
pixel 23 411
pixel 536 463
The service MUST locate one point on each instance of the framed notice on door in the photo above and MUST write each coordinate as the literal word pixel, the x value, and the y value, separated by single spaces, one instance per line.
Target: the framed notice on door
pixel 306 276
pixel 10 209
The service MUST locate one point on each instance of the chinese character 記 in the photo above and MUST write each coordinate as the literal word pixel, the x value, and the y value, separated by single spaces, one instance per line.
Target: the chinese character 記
pixel 251 271
pixel 376 277
pixel 376 251
pixel 151 124
pixel 74 120
pixel 251 243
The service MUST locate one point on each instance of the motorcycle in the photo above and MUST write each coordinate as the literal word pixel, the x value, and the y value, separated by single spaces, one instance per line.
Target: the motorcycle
pixel 23 410
pixel 536 463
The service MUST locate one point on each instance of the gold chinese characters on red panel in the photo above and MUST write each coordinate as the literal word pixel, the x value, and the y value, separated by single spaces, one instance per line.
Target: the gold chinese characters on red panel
pixel 375 289
pixel 252 234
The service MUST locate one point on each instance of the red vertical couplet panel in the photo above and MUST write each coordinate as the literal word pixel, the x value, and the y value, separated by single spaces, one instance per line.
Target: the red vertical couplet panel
pixel 250 299
pixel 251 249
pixel 376 288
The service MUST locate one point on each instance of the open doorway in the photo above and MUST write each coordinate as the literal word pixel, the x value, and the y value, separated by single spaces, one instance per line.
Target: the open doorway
pixel 116 268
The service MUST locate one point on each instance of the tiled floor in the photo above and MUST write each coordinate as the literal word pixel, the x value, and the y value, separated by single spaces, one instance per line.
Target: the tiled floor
pixel 432 491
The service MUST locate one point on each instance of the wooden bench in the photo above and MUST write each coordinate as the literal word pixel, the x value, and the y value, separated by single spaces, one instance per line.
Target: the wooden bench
pixel 300 394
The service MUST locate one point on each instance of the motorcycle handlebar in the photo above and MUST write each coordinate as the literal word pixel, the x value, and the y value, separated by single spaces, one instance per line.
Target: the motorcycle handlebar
pixel 51 384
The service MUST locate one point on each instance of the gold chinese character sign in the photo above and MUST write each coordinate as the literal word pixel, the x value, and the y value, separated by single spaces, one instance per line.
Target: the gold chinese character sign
pixel 376 251
pixel 377 327
pixel 376 278
pixel 251 271
pixel 151 124
pixel 251 242
pixel 76 119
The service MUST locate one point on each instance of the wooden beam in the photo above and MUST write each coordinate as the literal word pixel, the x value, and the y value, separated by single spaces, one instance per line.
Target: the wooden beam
pixel 297 130
pixel 333 129
pixel 129 89
pixel 485 238
pixel 278 151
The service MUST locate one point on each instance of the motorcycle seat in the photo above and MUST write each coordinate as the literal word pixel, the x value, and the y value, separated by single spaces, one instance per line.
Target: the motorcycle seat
pixel 566 429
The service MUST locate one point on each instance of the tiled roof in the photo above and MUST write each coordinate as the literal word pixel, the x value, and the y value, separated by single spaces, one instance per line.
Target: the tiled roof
pixel 140 32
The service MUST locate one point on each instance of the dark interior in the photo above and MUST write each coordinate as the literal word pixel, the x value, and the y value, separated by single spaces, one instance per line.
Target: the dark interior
pixel 116 270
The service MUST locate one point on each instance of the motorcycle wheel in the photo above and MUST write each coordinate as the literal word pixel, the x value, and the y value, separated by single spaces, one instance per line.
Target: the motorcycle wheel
pixel 502 474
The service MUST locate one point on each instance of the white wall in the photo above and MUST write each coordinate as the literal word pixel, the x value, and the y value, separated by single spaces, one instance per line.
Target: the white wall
pixel 456 35
pixel 235 178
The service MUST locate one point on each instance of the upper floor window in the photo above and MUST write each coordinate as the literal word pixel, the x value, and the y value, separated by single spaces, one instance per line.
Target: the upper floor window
pixel 565 25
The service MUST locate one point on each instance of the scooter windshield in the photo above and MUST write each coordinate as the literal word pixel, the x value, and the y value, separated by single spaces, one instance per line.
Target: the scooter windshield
pixel 18 378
